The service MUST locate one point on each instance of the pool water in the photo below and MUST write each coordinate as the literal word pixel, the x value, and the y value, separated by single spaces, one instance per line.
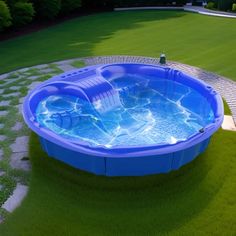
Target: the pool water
pixel 149 111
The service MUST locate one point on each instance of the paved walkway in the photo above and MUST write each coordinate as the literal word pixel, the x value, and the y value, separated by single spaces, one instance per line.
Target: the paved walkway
pixel 14 135
pixel 204 11
pixel 196 9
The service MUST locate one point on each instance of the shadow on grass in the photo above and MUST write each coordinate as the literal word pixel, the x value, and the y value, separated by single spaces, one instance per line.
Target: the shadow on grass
pixel 96 205
pixel 66 201
pixel 74 38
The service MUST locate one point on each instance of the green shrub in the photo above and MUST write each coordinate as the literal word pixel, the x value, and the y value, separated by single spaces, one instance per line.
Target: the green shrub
pixel 69 5
pixel 210 5
pixel 47 9
pixel 22 13
pixel 5 16
pixel 234 7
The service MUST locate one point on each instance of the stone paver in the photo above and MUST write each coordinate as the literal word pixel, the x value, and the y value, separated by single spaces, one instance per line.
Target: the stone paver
pixel 1 91
pixel 1 154
pixel 34 85
pixel 4 103
pixel 16 94
pixel 47 71
pixel 2 138
pixel 2 173
pixel 15 87
pixel 66 67
pixel 4 76
pixel 16 198
pixel 3 113
pixel 18 126
pixel 17 161
pixel 21 100
pixel 20 144
pixel 19 107
pixel 228 123
pixel 33 77
pixel 10 81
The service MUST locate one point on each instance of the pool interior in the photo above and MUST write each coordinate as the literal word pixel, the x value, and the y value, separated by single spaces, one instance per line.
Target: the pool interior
pixel 136 110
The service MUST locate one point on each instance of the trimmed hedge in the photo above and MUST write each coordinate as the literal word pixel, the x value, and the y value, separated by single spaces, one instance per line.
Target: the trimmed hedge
pixel 5 16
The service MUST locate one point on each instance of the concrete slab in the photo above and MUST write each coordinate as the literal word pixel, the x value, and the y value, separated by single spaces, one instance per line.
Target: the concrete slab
pixel 18 126
pixel 16 198
pixel 2 138
pixel 15 87
pixel 34 85
pixel 17 161
pixel 16 94
pixel 20 144
pixel 66 67
pixel 4 103
pixel 228 123
pixel 3 113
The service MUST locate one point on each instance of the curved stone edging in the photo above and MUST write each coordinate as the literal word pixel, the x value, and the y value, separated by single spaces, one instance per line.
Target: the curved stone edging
pixel 23 77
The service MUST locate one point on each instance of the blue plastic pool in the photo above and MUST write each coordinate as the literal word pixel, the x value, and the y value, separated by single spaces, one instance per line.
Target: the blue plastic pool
pixel 124 119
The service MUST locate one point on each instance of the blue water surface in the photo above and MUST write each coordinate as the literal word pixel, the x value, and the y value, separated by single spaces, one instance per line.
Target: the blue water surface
pixel 149 112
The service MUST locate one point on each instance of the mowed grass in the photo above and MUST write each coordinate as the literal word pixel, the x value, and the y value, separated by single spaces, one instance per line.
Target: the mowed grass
pixel 199 199
pixel 204 41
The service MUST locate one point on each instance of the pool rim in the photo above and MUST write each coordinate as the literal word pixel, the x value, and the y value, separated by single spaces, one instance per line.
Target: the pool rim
pixel 121 151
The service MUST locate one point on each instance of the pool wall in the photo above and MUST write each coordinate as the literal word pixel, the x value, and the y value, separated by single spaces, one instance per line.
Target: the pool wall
pixel 121 160
pixel 129 166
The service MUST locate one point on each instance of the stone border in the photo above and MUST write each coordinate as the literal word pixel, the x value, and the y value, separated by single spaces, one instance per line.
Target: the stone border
pixel 226 87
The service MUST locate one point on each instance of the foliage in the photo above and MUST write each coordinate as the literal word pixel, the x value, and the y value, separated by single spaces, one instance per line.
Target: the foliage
pixel 69 5
pixel 234 7
pixel 46 9
pixel 22 13
pixel 5 16
pixel 210 5
pixel 225 5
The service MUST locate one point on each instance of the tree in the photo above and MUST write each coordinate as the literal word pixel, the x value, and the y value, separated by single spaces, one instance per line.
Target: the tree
pixel 225 5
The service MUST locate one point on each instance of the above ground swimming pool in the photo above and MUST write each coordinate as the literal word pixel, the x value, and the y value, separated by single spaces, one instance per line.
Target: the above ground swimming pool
pixel 124 119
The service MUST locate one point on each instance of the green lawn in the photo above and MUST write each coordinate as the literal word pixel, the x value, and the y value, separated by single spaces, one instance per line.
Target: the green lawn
pixel 204 41
pixel 199 199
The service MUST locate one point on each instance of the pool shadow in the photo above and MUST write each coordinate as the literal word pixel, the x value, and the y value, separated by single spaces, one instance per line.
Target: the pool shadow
pixel 133 205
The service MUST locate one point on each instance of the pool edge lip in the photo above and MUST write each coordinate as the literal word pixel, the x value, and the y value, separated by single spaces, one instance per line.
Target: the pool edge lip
pixel 128 151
